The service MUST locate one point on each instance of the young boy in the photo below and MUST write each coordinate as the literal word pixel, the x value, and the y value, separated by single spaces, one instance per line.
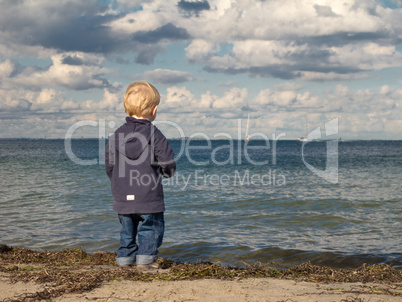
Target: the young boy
pixel 136 157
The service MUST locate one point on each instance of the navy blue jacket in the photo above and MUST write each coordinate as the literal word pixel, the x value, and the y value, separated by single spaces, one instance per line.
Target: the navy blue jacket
pixel 136 157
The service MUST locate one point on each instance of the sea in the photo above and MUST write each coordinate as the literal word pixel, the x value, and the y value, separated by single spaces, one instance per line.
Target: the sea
pixel 336 203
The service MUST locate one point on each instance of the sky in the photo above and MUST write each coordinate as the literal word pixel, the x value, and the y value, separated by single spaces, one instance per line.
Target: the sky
pixel 291 66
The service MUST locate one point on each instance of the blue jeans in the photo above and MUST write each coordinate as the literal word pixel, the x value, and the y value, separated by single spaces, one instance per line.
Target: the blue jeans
pixel 149 228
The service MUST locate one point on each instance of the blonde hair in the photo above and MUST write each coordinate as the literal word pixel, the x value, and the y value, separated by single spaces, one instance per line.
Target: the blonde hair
pixel 140 98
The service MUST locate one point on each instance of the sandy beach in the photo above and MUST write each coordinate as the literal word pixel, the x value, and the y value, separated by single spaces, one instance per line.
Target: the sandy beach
pixel 74 275
pixel 250 289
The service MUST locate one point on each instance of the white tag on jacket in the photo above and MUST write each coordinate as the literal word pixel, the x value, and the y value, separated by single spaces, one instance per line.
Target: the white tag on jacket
pixel 130 197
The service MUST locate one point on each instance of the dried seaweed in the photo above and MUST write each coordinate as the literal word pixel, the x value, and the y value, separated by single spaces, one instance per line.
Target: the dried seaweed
pixel 67 257
pixel 364 273
pixel 75 271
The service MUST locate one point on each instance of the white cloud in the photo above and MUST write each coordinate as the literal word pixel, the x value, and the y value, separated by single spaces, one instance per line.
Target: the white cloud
pixel 137 21
pixel 179 98
pixel 309 40
pixel 312 40
pixel 304 61
pixel 128 3
pixel 287 100
pixel 6 68
pixel 111 101
pixel 233 99
pixel 199 50
pixel 207 99
pixel 76 71
pixel 166 76
pixel 17 105
pixel 287 19
pixel 47 96
pixel 368 56
pixel 45 101
pixel 15 100
pixel 285 39
pixel 365 101
pixel 284 108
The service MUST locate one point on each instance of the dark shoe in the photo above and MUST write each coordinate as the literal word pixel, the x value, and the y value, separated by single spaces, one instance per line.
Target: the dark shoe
pixel 148 267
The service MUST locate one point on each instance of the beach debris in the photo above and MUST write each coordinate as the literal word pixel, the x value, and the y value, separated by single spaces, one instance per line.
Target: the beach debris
pixel 76 271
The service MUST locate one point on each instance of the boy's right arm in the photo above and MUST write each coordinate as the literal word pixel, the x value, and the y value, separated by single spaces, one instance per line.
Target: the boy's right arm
pixel 164 156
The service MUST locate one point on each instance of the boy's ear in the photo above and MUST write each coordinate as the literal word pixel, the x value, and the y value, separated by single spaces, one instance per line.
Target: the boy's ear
pixel 154 110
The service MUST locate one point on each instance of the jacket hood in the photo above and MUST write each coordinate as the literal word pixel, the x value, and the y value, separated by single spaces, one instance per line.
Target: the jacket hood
pixel 133 137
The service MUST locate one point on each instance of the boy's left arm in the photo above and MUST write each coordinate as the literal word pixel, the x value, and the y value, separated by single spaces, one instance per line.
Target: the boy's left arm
pixel 164 156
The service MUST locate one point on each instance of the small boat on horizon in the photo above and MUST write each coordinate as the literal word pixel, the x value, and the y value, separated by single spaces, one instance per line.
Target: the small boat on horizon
pixel 248 137
pixel 304 138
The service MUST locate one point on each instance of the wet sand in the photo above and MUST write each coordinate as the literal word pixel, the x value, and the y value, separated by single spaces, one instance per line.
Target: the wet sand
pixel 248 289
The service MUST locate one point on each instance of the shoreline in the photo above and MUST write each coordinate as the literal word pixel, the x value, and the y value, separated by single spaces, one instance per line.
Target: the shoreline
pixel 248 289
pixel 74 275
